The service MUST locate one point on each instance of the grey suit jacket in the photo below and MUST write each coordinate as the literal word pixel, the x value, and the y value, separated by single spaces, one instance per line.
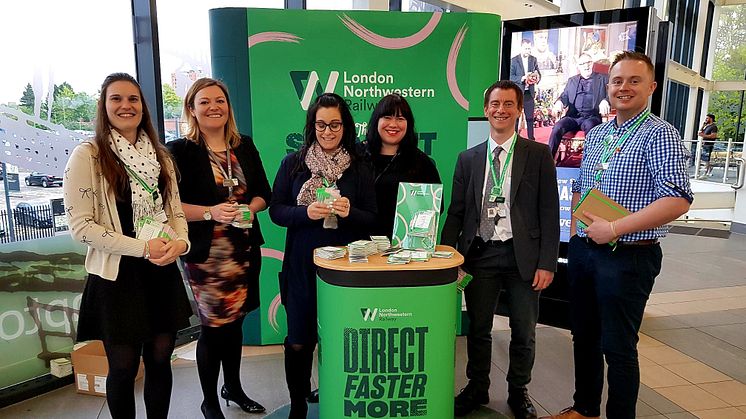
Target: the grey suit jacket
pixel 534 211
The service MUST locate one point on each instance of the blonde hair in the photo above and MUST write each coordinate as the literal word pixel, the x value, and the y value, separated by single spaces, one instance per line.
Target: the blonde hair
pixel 193 133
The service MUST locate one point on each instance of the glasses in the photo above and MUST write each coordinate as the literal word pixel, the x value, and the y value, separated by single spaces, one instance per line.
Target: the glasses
pixel 585 63
pixel 334 126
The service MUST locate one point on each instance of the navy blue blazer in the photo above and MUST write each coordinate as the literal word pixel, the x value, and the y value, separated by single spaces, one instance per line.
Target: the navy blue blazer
pixel 516 72
pixel 304 234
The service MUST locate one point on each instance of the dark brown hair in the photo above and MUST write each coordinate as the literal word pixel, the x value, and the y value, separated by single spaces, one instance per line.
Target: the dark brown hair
pixel 111 167
pixel 505 85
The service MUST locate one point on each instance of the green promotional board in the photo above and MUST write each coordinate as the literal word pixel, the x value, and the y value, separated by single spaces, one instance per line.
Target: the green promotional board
pixel 275 62
pixel 386 352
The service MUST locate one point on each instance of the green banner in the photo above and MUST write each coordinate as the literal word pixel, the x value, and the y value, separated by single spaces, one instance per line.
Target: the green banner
pixel 276 62
pixel 386 352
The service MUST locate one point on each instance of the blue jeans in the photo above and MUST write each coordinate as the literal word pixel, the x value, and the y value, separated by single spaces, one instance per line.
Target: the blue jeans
pixel 608 292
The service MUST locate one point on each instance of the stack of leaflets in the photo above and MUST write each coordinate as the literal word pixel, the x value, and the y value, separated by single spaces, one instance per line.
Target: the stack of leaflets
pixel 362 248
pixel 330 252
pixel 149 228
pixel 420 256
pixel 401 257
pixel 382 242
pixel 442 254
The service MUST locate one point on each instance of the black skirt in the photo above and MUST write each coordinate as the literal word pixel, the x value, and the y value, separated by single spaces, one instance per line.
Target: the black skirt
pixel 145 299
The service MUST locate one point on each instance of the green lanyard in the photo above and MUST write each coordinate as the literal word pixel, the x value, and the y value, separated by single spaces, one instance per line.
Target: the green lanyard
pixel 498 185
pixel 609 151
pixel 152 191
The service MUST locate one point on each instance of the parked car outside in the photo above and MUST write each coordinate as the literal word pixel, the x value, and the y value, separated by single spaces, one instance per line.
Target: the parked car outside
pixel 44 180
pixel 25 214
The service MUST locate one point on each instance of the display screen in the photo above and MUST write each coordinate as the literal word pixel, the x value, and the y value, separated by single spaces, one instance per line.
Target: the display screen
pixel 567 75
pixel 562 63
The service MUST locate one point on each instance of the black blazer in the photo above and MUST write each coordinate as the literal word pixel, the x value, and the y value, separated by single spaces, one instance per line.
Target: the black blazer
pixel 534 210
pixel 516 72
pixel 197 186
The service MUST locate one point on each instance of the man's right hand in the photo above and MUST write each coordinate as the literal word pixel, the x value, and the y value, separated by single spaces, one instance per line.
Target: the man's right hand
pixel 558 108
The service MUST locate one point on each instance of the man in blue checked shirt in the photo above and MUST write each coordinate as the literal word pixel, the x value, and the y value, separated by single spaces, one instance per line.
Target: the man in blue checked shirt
pixel 639 161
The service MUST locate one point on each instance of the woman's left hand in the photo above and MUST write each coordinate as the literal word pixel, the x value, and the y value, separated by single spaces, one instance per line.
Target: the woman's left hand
pixel 341 207
pixel 172 250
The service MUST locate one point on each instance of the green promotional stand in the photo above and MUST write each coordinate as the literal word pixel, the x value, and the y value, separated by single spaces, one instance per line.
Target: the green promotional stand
pixel 386 337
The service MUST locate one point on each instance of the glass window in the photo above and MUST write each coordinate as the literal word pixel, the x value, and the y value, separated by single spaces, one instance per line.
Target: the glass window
pixel 730 47
pixel 55 56
pixel 184 38
pixel 329 4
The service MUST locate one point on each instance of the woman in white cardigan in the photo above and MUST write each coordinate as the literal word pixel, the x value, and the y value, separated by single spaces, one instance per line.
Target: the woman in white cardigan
pixel 119 187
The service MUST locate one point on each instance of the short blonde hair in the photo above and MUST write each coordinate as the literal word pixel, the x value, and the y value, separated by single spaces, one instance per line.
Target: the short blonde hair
pixel 193 133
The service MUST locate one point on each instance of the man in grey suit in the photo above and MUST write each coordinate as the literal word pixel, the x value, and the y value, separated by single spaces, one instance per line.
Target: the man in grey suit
pixel 524 71
pixel 504 218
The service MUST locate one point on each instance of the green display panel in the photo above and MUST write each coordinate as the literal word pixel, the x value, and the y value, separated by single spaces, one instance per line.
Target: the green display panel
pixel 275 63
pixel 40 290
pixel 386 352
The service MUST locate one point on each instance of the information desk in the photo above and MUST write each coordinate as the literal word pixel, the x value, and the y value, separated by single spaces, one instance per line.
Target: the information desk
pixel 386 337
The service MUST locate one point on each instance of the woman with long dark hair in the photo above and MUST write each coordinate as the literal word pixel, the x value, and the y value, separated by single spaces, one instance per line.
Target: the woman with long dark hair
pixel 391 146
pixel 222 176
pixel 134 299
pixel 327 159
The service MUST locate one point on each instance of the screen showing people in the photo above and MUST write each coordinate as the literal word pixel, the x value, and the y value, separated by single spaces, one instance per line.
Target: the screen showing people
pixel 563 73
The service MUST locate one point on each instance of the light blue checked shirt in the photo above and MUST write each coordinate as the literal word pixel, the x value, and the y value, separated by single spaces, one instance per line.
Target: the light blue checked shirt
pixel 650 164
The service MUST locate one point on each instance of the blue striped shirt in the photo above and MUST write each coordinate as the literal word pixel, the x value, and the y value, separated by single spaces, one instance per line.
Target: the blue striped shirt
pixel 650 164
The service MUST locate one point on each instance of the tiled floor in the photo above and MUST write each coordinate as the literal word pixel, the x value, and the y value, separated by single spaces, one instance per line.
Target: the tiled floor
pixel 692 352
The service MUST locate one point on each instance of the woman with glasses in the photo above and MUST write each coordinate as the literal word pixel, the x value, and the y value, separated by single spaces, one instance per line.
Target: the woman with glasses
pixel 326 165
pixel 223 186
pixel 119 186
pixel 391 146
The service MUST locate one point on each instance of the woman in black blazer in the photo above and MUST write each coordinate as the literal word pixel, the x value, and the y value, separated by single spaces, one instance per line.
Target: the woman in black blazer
pixel 328 157
pixel 220 169
pixel 391 146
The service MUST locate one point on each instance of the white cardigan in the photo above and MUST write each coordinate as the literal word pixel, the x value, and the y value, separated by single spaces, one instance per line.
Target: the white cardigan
pixel 92 215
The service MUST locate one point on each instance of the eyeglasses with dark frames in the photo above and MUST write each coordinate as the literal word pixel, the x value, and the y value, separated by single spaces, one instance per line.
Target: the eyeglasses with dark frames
pixel 334 126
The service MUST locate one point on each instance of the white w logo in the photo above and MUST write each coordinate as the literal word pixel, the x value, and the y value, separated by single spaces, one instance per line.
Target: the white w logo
pixel 313 79
pixel 368 314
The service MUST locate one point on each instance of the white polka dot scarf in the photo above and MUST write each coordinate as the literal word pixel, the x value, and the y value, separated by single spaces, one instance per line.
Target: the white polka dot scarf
pixel 142 167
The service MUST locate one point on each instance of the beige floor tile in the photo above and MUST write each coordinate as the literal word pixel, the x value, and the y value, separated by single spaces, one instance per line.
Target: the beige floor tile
pixel 676 309
pixel 645 361
pixel 664 355
pixel 646 341
pixel 692 398
pixel 261 350
pixel 726 413
pixel 656 376
pixel 733 392
pixel 655 311
pixel 697 372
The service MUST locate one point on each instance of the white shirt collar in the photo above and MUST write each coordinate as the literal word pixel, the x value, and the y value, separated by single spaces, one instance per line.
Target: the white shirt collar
pixel 505 146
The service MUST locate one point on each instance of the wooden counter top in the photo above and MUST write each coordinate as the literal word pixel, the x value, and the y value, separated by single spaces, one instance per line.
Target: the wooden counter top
pixel 378 263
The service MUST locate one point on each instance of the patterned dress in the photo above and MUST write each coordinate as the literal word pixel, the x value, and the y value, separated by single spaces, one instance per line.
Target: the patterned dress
pixel 220 283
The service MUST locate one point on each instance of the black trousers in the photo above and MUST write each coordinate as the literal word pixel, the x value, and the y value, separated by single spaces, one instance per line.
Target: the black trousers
pixel 528 111
pixel 495 270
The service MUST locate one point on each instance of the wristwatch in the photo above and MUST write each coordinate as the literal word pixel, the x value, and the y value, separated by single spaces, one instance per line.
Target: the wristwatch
pixel 207 215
